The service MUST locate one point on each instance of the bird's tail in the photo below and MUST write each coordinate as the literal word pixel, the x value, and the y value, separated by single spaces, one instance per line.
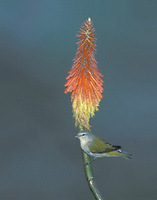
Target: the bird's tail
pixel 126 155
pixel 119 153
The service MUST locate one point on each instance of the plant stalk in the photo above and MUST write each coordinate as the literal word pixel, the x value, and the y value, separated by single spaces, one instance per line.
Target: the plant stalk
pixel 89 173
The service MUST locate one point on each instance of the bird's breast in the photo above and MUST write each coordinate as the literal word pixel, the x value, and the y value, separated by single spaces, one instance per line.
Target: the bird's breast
pixel 84 145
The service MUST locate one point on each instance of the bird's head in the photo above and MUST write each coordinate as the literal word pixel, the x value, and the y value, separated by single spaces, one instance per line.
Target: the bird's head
pixel 85 136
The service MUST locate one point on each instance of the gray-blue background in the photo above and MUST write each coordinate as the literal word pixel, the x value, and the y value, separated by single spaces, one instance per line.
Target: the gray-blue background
pixel 39 156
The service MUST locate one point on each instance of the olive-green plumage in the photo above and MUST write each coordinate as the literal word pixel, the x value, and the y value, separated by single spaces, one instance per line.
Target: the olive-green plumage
pixel 97 147
pixel 101 146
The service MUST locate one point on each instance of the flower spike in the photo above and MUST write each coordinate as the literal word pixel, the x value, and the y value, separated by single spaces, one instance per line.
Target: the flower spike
pixel 84 79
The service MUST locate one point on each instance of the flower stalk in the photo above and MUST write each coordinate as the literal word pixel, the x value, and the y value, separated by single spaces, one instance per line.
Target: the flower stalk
pixel 89 174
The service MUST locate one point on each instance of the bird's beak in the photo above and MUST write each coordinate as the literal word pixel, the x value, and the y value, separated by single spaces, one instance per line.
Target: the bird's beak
pixel 76 136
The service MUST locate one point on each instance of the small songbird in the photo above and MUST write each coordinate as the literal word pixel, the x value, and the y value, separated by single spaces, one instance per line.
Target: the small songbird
pixel 97 147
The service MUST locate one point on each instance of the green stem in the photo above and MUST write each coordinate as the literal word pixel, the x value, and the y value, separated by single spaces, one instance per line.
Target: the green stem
pixel 89 173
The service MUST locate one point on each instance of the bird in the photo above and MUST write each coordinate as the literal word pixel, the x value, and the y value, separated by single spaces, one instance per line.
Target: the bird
pixel 96 147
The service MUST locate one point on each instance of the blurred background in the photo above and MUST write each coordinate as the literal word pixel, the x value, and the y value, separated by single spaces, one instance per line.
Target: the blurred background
pixel 39 155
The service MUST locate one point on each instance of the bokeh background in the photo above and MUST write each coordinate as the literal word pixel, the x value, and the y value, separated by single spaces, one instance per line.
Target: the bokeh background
pixel 39 156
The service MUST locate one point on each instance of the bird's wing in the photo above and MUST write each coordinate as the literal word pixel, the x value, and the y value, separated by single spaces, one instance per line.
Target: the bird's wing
pixel 101 146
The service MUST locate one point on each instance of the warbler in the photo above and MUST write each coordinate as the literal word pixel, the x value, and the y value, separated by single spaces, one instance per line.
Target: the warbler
pixel 97 147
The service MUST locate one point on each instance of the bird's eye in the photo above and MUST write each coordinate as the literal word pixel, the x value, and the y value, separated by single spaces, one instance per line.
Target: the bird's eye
pixel 83 134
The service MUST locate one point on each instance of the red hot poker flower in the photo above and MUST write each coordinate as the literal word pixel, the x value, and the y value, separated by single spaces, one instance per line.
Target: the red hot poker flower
pixel 84 80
